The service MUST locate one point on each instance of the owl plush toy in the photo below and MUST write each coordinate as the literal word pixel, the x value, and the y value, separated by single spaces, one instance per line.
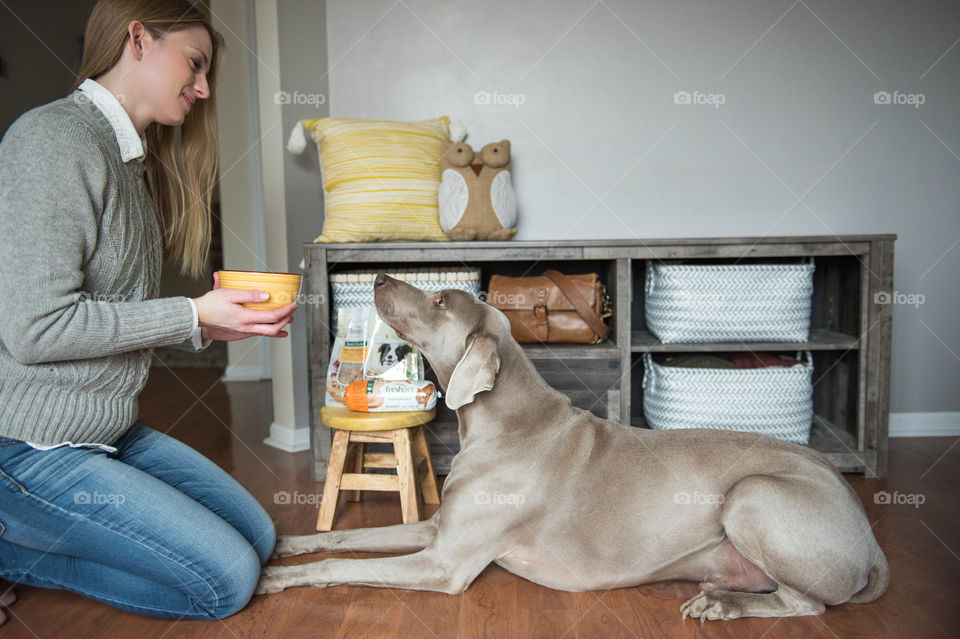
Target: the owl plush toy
pixel 477 200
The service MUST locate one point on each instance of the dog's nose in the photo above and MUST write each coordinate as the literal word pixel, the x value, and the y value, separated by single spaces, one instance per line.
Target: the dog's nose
pixel 382 280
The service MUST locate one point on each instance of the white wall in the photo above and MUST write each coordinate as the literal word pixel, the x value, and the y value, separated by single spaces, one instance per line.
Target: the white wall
pixel 601 150
pixel 241 205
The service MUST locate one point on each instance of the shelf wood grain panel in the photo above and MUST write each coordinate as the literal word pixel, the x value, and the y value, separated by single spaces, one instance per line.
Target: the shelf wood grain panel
pixel 820 340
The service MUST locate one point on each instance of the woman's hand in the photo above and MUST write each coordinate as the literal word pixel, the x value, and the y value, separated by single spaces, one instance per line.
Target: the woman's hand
pixel 222 315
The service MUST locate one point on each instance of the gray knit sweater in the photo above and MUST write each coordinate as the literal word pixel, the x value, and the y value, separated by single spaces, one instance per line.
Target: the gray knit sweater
pixel 80 259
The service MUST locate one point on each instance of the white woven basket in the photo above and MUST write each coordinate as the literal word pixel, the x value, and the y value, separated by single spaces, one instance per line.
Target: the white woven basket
pixel 354 289
pixel 729 302
pixel 775 401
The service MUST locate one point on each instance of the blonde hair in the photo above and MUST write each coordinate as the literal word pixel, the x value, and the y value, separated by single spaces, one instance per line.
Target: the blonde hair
pixel 181 162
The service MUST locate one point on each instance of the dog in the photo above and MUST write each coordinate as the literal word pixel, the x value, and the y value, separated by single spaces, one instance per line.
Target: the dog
pixel 573 502
pixel 390 354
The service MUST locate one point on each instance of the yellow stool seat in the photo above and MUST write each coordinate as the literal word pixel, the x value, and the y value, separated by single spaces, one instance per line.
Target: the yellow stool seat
pixel 342 418
pixel 353 430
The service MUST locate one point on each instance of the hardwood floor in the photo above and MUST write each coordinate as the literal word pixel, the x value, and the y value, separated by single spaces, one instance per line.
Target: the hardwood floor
pixel 228 421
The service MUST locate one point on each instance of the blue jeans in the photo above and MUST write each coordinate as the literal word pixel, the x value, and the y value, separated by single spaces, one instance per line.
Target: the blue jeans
pixel 155 528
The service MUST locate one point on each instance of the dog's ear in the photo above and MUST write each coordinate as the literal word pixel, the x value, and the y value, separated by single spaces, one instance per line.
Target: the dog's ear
pixel 475 371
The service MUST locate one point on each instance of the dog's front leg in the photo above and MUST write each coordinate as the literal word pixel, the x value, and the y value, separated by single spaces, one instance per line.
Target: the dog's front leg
pixel 428 569
pixel 399 538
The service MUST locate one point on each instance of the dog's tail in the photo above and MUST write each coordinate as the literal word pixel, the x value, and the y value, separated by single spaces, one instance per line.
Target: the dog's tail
pixel 876 582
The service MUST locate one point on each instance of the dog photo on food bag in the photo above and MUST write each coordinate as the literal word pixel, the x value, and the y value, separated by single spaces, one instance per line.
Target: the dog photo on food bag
pixel 388 356
pixel 783 534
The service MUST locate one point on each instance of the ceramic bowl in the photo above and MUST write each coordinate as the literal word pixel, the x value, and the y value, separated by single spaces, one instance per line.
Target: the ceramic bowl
pixel 283 287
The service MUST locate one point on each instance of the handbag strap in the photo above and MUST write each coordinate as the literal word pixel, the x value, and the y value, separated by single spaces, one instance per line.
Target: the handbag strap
pixel 584 310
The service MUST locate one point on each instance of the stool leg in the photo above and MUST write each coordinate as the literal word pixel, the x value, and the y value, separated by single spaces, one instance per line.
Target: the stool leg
pixel 428 485
pixel 406 476
pixel 331 486
pixel 359 449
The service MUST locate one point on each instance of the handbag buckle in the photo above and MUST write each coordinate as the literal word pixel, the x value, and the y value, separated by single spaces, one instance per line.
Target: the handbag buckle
pixel 540 314
pixel 606 308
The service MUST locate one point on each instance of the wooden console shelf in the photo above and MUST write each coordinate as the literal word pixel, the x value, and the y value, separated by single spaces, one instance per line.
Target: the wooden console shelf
pixel 849 338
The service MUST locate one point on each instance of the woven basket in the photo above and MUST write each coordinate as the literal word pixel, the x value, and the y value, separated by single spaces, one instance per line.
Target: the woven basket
pixel 775 401
pixel 729 302
pixel 354 289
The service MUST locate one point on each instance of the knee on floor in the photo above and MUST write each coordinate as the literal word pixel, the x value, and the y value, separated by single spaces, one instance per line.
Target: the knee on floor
pixel 229 584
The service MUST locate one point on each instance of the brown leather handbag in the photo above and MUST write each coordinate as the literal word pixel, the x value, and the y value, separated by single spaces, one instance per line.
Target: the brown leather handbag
pixel 553 308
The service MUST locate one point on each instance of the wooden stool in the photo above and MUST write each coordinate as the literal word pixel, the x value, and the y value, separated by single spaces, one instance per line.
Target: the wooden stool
pixel 415 479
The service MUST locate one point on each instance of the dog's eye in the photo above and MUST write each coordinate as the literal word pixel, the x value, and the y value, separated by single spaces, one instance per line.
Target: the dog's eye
pixel 438 301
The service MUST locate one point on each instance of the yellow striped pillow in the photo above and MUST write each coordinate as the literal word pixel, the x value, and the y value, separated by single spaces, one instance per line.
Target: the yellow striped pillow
pixel 380 178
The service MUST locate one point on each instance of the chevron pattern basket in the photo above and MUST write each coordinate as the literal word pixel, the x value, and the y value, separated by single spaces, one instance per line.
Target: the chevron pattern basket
pixel 353 289
pixel 775 401
pixel 729 302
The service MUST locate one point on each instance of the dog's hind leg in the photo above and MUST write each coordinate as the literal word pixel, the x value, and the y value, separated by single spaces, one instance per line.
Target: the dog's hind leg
pixel 715 605
pixel 400 538
pixel 809 536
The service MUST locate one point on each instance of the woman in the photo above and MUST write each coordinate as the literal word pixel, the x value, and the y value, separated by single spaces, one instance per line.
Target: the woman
pixel 90 500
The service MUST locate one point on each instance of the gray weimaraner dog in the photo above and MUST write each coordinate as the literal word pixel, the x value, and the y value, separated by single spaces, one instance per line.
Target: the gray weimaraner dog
pixel 570 501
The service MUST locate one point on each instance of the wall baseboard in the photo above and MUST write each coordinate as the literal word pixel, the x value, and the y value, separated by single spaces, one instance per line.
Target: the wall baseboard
pixel 291 440
pixel 924 424
pixel 237 373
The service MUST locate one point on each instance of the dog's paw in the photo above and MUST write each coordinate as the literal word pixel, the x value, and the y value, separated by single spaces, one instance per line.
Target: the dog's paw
pixel 288 546
pixel 710 606
pixel 271 581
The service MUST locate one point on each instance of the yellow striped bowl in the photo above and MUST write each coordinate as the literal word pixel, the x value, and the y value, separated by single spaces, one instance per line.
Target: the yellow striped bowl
pixel 283 287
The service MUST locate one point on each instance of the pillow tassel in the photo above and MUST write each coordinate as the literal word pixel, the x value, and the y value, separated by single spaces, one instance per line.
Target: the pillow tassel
pixel 298 141
pixel 457 131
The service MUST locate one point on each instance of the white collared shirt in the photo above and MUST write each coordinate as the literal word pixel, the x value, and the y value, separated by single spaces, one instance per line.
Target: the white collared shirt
pixel 132 146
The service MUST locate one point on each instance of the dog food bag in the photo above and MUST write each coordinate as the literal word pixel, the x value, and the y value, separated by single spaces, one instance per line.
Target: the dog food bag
pixel 348 354
pixel 367 348
pixel 389 357
pixel 383 395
